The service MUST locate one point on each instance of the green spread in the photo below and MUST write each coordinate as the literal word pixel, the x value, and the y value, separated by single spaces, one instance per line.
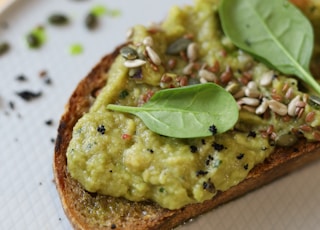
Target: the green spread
pixel 115 154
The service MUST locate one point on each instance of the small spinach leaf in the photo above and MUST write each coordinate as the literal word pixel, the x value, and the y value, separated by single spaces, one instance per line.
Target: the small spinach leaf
pixel 187 112
pixel 274 31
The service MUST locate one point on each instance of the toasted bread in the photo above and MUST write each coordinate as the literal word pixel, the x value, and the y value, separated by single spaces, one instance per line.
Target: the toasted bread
pixel 94 211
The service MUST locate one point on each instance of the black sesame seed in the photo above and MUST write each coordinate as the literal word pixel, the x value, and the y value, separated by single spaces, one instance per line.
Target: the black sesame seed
pixel 49 122
pixel 213 129
pixel 150 150
pixel 240 156
pixel 201 173
pixel 11 105
pixel 123 94
pixel 246 166
pixel 209 186
pixel 28 95
pixel 217 146
pixel 101 129
pixel 21 78
pixel 203 141
pixel 252 134
pixel 193 148
pixel 48 81
pixel 52 140
pixel 113 226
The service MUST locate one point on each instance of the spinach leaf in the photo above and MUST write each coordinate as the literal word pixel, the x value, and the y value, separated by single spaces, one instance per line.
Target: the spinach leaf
pixel 187 112
pixel 274 31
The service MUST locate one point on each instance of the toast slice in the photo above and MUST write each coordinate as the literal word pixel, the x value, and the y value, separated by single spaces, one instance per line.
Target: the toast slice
pixel 84 209
pixel 94 211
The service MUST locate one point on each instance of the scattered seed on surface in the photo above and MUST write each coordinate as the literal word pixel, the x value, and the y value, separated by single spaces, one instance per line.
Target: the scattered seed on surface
pixel 58 19
pixel 21 78
pixel 91 21
pixel 128 53
pixel 4 48
pixel 278 107
pixel 29 95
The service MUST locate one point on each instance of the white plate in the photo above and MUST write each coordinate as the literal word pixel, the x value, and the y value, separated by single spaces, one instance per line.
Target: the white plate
pixel 28 198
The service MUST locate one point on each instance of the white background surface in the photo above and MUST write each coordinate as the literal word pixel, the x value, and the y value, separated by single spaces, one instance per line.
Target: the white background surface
pixel 28 198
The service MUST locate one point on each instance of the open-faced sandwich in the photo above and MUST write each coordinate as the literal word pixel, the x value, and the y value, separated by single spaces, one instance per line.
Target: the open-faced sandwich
pixel 218 99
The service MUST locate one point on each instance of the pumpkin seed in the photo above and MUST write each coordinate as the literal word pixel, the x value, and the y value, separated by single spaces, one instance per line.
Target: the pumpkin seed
pixel 128 53
pixel 286 140
pixel 91 21
pixel 33 41
pixel 4 47
pixel 58 19
pixel 314 101
pixel 177 46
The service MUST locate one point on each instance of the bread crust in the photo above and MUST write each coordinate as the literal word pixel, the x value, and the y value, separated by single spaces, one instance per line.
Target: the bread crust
pixel 82 207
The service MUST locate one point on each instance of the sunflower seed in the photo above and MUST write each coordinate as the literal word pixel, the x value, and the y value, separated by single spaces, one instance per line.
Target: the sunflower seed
pixel 293 105
pixel 148 41
pixel 263 106
pixel 153 56
pixel 134 63
pixel 207 75
pixel 192 51
pixel 278 107
pixel 266 78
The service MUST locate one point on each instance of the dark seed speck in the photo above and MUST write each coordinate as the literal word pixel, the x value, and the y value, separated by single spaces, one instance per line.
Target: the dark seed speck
pixel 28 95
pixel 193 148
pixel 217 146
pixel 58 19
pixel 101 129
pixel 91 21
pixel 240 156
pixel 213 129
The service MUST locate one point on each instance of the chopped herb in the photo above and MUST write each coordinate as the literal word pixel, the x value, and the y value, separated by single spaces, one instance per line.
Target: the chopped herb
pixel 76 49
pixel 58 19
pixel 213 129
pixel 4 48
pixel 217 146
pixel 193 148
pixel 161 190
pixel 101 129
pixel 240 156
pixel 123 94
pixel 98 10
pixel 28 95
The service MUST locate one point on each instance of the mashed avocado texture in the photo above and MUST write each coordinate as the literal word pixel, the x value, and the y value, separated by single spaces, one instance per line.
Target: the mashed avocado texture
pixel 115 154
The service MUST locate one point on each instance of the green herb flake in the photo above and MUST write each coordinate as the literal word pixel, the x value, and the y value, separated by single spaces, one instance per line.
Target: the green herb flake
pixel 76 49
pixel 100 10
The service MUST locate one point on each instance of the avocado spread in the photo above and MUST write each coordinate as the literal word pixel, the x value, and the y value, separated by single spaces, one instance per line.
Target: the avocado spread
pixel 115 154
